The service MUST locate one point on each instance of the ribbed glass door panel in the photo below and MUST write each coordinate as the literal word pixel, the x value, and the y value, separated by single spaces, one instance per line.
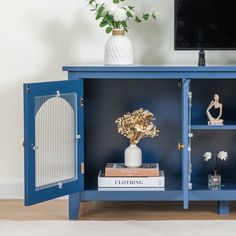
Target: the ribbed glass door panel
pixel 55 140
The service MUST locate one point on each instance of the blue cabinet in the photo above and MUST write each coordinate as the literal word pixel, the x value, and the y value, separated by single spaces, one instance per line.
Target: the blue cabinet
pixel 70 132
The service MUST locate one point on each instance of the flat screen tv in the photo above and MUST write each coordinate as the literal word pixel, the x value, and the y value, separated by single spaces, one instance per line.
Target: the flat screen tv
pixel 205 24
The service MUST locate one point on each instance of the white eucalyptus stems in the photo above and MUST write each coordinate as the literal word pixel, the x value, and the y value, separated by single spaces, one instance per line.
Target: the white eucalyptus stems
pixel 221 155
pixel 113 16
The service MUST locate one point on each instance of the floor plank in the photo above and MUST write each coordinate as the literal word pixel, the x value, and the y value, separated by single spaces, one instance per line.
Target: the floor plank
pixel 57 210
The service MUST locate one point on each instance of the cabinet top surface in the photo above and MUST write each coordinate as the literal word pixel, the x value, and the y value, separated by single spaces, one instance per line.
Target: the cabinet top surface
pixel 134 68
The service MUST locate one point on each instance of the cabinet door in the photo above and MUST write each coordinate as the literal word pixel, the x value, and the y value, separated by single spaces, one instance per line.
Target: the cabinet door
pixel 53 140
pixel 186 136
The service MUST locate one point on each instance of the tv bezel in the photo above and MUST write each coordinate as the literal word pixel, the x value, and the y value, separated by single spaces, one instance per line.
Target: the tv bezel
pixel 189 48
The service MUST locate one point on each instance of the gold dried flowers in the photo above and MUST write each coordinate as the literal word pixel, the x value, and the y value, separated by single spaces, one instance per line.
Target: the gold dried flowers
pixel 136 125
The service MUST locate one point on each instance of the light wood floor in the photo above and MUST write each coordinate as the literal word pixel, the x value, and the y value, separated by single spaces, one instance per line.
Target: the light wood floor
pixel 57 210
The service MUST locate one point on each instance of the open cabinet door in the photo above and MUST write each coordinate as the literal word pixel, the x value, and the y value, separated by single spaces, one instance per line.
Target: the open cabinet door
pixel 53 140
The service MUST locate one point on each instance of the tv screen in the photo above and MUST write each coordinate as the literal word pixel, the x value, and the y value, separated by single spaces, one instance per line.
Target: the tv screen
pixel 205 24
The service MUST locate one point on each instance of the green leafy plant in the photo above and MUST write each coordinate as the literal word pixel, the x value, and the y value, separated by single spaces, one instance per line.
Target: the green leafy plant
pixel 114 16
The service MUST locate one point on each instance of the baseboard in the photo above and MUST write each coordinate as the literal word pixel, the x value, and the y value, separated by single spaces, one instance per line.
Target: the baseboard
pixel 11 189
pixel 14 189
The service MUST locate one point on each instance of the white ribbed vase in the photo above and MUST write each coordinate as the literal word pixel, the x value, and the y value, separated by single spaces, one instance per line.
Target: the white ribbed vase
pixel 133 156
pixel 118 49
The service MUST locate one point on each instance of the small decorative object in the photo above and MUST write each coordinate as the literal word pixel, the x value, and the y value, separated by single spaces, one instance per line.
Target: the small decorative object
pixel 136 125
pixel 214 179
pixel 216 105
pixel 115 18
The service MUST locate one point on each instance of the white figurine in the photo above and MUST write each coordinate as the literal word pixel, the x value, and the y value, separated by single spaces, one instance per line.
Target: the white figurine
pixel 217 105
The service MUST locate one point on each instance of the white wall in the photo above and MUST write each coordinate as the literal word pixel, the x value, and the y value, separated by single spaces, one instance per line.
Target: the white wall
pixel 38 37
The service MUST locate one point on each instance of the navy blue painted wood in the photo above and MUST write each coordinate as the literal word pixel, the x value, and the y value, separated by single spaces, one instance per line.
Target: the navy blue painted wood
pixel 102 93
pixel 223 207
pixel 203 92
pixel 166 69
pixel 152 75
pixel 93 195
pixel 212 195
pixel 152 72
pixel 74 206
pixel 185 141
pixel 106 100
pixel 213 127
pixel 204 74
pixel 213 140
pixel 42 89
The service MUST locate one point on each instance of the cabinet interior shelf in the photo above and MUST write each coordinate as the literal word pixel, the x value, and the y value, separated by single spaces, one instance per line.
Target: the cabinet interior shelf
pixel 208 127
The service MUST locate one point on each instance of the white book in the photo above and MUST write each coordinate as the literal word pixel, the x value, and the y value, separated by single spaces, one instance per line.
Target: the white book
pixel 131 189
pixel 131 182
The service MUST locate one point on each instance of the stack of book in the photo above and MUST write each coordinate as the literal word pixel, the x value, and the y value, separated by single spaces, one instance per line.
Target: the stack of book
pixel 117 177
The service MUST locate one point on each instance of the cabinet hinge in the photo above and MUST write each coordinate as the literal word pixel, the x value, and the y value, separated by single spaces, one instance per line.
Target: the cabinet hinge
pixel 190 95
pixel 58 94
pixel 28 89
pixel 180 84
pixel 82 168
pixel 190 186
pixel 82 101
pixel 190 168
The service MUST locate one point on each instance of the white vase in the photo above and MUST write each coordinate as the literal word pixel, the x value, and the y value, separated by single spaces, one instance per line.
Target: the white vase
pixel 118 49
pixel 133 156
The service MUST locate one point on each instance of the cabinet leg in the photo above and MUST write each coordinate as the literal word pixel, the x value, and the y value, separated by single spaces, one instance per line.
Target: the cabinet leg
pixel 186 205
pixel 74 205
pixel 223 207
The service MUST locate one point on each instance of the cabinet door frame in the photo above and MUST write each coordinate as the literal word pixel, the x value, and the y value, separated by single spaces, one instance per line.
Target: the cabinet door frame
pixel 32 90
